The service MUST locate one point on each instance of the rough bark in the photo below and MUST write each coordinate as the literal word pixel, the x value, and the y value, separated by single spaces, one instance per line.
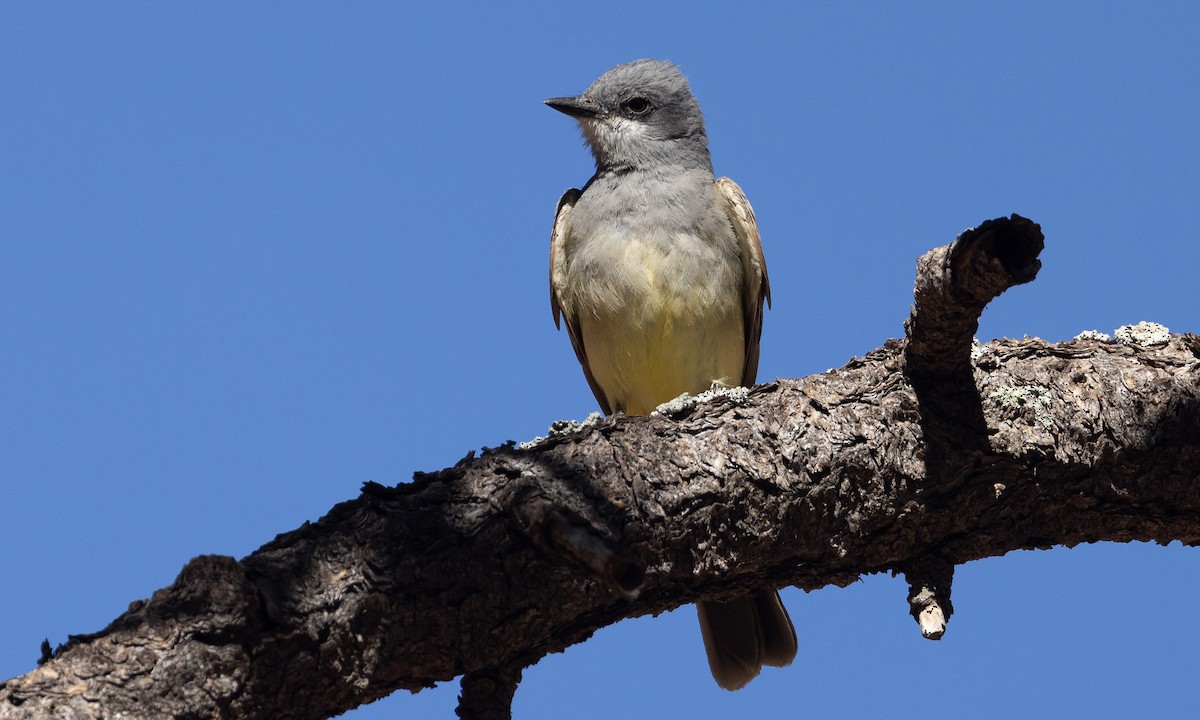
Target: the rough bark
pixel 920 456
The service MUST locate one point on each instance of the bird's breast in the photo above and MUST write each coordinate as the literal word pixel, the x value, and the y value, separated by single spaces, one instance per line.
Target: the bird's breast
pixel 660 314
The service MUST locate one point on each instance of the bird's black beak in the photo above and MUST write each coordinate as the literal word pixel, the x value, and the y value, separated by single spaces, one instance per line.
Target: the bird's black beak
pixel 577 107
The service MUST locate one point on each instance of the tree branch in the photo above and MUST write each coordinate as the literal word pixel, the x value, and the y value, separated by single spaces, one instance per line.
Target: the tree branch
pixel 483 568
pixel 954 284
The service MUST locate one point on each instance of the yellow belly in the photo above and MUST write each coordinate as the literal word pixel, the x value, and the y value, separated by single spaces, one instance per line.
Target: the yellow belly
pixel 655 334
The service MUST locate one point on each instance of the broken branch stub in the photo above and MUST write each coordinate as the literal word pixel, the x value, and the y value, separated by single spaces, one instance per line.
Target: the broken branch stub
pixel 953 285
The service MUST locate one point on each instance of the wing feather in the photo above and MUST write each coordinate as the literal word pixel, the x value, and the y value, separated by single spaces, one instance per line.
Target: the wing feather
pixel 756 289
pixel 561 301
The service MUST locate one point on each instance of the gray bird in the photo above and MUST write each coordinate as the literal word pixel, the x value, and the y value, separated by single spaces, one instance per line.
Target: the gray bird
pixel 657 270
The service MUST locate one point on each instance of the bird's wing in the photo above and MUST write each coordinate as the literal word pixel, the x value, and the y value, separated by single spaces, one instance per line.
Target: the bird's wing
pixel 561 301
pixel 756 289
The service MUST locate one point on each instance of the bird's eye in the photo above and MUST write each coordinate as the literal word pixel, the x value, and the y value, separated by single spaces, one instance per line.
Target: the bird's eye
pixel 637 105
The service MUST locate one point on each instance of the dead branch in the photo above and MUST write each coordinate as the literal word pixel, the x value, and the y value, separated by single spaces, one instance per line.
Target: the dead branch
pixel 923 455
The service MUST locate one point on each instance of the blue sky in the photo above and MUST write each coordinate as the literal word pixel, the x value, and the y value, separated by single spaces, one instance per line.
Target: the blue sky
pixel 253 255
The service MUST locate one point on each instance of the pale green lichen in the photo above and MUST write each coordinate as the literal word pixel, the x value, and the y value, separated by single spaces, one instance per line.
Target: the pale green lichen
pixel 1148 334
pixel 977 349
pixel 1042 408
pixel 983 356
pixel 685 402
pixel 1037 399
pixel 677 406
pixel 1009 397
pixel 563 427
pixel 736 395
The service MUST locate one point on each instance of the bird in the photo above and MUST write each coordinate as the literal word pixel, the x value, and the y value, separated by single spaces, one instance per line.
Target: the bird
pixel 657 271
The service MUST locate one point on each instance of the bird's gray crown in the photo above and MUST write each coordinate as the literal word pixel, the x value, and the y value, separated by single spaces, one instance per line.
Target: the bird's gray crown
pixel 640 115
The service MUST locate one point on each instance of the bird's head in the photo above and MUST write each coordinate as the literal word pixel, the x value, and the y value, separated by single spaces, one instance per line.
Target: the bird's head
pixel 639 114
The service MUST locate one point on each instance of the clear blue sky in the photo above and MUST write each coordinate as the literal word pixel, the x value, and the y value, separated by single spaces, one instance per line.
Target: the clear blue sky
pixel 253 255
